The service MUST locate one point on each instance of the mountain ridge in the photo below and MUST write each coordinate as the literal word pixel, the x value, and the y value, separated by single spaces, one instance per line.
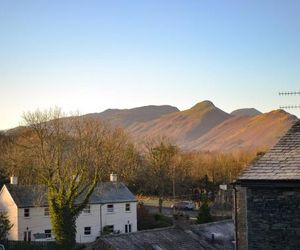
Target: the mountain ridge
pixel 203 127
pixel 246 112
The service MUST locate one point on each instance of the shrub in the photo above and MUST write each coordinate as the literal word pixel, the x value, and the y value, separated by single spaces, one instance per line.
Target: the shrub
pixel 5 225
pixel 204 215
pixel 150 221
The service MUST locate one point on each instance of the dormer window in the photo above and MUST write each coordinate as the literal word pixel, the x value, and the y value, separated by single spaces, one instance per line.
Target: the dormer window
pixel 26 212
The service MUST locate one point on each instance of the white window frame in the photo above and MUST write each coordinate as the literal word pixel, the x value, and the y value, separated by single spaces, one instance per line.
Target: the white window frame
pixel 127 207
pixel 87 209
pixel 110 209
pixel 26 212
pixel 46 211
pixel 87 231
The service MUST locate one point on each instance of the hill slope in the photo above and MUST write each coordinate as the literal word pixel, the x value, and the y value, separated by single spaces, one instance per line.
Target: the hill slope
pixel 246 112
pixel 182 126
pixel 245 132
pixel 203 127
pixel 126 117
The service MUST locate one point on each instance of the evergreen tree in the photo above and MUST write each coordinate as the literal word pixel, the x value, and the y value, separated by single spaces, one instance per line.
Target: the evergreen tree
pixel 204 215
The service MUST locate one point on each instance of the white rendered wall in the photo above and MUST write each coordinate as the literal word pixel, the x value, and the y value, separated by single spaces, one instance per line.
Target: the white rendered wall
pixel 92 220
pixel 8 205
pixel 120 217
pixel 36 223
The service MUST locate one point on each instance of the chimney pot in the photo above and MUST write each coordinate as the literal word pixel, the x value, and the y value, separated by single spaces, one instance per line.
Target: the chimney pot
pixel 14 180
pixel 113 177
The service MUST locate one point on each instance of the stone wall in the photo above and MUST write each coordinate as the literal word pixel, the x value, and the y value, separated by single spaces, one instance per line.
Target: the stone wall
pixel 273 218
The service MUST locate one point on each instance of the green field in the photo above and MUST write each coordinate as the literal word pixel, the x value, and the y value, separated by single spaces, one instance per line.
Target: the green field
pixel 153 201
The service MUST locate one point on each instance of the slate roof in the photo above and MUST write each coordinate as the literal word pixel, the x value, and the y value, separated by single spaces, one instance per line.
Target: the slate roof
pixel 195 237
pixel 36 196
pixel 28 196
pixel 108 192
pixel 281 163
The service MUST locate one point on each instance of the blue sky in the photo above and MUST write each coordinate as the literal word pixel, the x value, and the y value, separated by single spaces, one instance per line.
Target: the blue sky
pixel 94 55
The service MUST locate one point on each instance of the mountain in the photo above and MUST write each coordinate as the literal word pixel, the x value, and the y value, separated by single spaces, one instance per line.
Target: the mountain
pixel 181 126
pixel 207 128
pixel 245 132
pixel 126 117
pixel 246 112
pixel 203 127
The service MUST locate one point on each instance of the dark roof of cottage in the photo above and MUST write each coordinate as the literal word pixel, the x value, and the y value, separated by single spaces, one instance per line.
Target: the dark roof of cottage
pixel 111 192
pixel 28 196
pixel 282 162
pixel 36 196
pixel 194 237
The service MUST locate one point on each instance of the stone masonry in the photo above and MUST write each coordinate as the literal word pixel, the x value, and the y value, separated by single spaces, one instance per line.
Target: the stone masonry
pixel 273 217
pixel 268 198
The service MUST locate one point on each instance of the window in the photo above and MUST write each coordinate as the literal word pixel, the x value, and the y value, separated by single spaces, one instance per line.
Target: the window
pixel 127 228
pixel 110 208
pixel 48 233
pixel 127 207
pixel 87 231
pixel 46 211
pixel 87 209
pixel 26 212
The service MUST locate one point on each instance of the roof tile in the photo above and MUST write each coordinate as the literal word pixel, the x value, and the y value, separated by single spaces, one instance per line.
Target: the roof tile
pixel 282 162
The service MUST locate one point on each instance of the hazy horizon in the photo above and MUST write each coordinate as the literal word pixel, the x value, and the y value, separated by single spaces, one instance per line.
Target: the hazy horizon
pixel 97 55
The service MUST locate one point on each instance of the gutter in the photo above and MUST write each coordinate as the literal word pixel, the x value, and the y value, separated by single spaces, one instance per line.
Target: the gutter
pixel 100 219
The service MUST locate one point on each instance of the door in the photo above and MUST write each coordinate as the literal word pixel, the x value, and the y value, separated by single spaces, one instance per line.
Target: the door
pixel 27 236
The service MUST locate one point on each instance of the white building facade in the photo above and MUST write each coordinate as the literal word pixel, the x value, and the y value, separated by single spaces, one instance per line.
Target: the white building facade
pixel 112 209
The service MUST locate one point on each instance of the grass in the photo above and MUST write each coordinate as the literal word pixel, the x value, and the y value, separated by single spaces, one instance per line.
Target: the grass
pixel 153 201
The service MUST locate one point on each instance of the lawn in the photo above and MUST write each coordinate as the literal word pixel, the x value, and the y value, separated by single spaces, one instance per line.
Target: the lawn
pixel 153 201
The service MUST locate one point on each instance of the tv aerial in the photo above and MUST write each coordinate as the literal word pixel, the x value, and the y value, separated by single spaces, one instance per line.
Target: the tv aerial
pixel 289 93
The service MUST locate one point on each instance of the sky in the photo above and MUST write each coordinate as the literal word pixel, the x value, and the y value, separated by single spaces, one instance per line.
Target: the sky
pixel 89 56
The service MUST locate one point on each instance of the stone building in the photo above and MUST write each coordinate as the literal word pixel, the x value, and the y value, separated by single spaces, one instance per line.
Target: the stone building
pixel 267 198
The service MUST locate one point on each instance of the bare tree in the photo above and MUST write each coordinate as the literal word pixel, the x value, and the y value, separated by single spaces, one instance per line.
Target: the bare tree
pixel 160 156
pixel 68 155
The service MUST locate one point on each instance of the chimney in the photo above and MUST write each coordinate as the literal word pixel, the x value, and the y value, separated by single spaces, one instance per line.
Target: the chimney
pixel 113 177
pixel 14 180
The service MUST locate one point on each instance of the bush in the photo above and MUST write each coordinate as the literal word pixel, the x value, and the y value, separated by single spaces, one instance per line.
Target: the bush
pixel 5 225
pixel 204 215
pixel 145 220
pixel 162 220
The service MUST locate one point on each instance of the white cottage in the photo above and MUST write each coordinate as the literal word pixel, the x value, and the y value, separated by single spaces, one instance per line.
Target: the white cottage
pixel 112 207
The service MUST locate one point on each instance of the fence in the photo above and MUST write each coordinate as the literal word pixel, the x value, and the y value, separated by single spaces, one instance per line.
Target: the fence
pixel 34 245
